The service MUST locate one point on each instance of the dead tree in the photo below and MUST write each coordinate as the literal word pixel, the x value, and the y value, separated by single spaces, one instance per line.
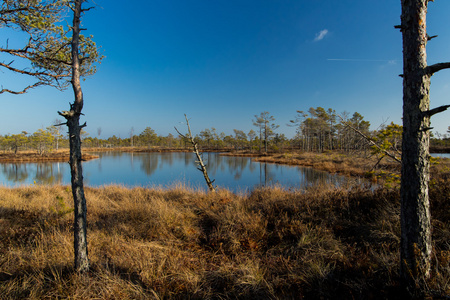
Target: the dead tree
pixel 371 142
pixel 415 208
pixel 199 161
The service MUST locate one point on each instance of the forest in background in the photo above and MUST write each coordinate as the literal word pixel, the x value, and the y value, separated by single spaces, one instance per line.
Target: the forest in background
pixel 317 130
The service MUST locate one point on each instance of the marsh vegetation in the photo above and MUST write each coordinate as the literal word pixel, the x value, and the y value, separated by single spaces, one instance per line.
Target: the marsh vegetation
pixel 271 243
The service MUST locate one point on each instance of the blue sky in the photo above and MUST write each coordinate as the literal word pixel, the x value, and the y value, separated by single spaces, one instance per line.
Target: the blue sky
pixel 223 61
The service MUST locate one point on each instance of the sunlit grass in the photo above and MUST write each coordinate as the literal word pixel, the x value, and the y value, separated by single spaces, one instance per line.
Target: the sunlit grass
pixel 155 243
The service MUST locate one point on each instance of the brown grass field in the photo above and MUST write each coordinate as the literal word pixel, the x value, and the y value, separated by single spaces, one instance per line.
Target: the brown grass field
pixel 356 164
pixel 179 243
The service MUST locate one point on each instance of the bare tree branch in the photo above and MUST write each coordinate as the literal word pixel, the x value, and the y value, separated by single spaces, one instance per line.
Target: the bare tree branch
pixel 10 11
pixel 436 110
pixel 22 91
pixel 436 68
pixel 88 9
pixel 379 160
pixel 429 38
pixel 56 76
pixel 14 51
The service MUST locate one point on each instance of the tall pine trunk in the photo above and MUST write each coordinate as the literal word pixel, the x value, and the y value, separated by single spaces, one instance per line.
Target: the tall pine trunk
pixel 415 208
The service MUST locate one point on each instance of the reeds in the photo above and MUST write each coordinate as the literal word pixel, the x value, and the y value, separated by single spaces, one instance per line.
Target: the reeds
pixel 182 243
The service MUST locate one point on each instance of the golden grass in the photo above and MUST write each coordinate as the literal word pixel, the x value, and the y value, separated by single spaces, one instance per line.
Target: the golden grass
pixel 356 164
pixel 184 243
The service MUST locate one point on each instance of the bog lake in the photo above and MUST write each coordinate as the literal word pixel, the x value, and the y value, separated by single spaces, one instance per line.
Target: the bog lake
pixel 238 174
pixel 168 169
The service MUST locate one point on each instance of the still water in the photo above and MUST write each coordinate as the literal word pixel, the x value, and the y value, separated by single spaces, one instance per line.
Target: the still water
pixel 167 169
pixel 443 155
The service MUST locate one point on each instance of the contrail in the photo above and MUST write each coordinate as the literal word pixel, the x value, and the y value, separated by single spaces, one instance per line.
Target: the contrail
pixel 363 60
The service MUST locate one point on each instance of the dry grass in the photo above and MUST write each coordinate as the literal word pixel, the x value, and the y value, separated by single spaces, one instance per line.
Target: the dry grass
pixel 359 164
pixel 356 164
pixel 182 243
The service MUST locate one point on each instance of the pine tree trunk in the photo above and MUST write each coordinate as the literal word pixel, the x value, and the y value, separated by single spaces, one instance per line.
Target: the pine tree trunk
pixel 260 138
pixel 80 220
pixel 415 211
pixel 265 137
pixel 73 123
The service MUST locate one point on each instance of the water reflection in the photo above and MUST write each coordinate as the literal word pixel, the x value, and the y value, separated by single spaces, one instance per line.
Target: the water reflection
pixel 165 169
pixel 15 172
pixel 442 155
pixel 149 164
pixel 23 173
pixel 48 173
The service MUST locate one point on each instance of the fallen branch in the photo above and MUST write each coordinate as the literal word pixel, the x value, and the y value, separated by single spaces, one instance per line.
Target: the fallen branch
pixel 368 139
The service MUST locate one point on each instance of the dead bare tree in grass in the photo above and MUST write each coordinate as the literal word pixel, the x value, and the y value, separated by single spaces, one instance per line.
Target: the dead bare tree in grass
pixel 202 166
pixel 372 143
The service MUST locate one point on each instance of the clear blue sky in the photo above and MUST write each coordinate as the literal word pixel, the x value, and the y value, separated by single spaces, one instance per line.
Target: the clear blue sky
pixel 223 61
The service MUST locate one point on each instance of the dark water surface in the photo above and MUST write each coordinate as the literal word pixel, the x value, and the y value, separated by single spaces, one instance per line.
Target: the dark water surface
pixel 167 169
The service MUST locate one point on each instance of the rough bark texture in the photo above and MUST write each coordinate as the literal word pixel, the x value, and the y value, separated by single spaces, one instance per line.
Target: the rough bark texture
pixel 73 123
pixel 415 210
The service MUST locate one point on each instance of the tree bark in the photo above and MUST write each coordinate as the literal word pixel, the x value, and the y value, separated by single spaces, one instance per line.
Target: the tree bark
pixel 415 208
pixel 73 123
pixel 265 137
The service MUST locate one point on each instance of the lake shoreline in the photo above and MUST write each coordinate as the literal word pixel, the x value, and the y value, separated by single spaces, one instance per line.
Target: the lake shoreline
pixel 32 156
pixel 167 169
pixel 359 164
pixel 439 149
pixel 333 162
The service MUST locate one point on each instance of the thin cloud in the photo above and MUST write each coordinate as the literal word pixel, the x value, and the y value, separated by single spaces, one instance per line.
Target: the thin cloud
pixel 390 61
pixel 321 35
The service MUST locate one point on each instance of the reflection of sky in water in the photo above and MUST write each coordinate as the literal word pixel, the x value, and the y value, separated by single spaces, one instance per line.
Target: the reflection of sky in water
pixel 165 169
pixel 443 155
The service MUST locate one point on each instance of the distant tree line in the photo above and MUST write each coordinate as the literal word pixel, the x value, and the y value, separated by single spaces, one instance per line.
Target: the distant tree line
pixel 440 142
pixel 317 130
pixel 42 140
